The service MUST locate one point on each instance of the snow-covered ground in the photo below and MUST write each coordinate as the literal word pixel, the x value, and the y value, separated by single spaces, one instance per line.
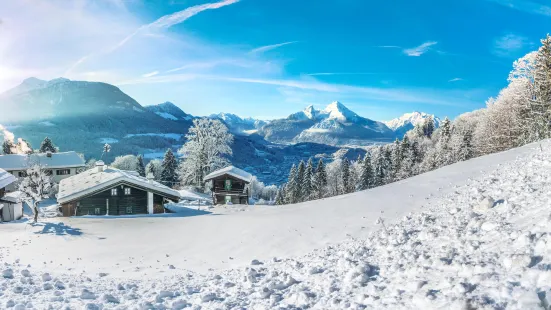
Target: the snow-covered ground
pixel 472 235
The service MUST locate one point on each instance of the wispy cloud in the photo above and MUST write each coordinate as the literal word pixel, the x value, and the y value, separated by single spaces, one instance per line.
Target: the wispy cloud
pixel 340 73
pixel 388 46
pixel 164 22
pixel 267 48
pixel 405 95
pixel 455 80
pixel 509 45
pixel 150 74
pixel 527 6
pixel 420 50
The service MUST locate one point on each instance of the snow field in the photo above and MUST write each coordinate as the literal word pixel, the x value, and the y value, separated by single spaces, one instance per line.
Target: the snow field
pixel 483 245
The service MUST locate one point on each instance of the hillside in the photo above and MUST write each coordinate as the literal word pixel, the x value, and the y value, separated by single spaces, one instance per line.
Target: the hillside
pixel 82 116
pixel 441 244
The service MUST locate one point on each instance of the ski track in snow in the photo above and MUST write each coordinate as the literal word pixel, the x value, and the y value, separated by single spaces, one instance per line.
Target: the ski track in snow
pixel 484 245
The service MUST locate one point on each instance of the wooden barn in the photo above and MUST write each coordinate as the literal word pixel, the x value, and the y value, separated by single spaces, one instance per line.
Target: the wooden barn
pixel 229 185
pixel 109 191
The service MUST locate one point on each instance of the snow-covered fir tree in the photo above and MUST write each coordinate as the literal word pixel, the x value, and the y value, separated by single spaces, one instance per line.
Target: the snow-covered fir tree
pixel 301 169
pixel 320 180
pixel 347 186
pixel 47 146
pixel 280 196
pixel 367 177
pixel 306 186
pixel 140 167
pixel 8 147
pixel 168 169
pixel 396 161
pixel 292 190
pixel 208 144
pixel 36 186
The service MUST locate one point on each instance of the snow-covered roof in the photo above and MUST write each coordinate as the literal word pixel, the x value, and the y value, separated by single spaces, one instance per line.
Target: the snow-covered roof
pixel 233 171
pixel 6 178
pixel 13 197
pixel 57 160
pixel 92 181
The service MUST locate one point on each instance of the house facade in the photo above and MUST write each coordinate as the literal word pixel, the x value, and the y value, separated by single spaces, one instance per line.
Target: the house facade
pixel 59 165
pixel 108 191
pixel 11 208
pixel 229 185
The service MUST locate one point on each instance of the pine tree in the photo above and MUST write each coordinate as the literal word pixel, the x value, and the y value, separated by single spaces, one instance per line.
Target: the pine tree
pixel 428 127
pixel 379 168
pixel 301 170
pixel 320 180
pixel 387 164
pixel 306 186
pixel 168 172
pixel 346 184
pixel 396 160
pixel 25 146
pixel 466 147
pixel 150 169
pixel 47 146
pixel 541 104
pixel 280 196
pixel 367 176
pixel 291 189
pixel 7 147
pixel 140 168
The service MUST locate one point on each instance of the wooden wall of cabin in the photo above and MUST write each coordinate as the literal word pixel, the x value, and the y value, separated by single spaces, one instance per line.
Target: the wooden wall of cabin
pixel 237 185
pixel 158 206
pixel 121 204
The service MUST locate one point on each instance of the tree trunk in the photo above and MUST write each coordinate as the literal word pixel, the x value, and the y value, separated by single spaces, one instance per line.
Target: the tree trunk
pixel 35 211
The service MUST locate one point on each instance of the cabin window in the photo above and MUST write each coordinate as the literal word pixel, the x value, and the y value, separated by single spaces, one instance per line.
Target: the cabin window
pixel 96 211
pixel 127 191
pixel 227 185
pixel 22 174
pixel 228 199
pixel 63 172
pixel 113 192
pixel 128 210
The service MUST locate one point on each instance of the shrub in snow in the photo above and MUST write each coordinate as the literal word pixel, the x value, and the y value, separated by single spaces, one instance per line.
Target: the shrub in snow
pixel 36 186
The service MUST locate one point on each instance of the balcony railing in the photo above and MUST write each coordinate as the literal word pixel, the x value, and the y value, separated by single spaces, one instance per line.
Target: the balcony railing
pixel 221 190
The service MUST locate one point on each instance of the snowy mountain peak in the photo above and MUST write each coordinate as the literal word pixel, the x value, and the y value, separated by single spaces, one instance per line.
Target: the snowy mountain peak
pixel 408 121
pixel 339 111
pixel 169 110
pixel 310 112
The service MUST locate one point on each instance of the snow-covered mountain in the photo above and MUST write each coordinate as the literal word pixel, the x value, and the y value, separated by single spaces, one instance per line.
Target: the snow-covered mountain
pixel 334 125
pixel 239 125
pixel 408 121
pixel 170 111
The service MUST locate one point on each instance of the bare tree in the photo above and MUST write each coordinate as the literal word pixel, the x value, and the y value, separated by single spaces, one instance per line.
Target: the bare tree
pixel 36 186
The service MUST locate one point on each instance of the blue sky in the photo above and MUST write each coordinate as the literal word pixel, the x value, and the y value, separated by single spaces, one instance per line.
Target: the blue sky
pixel 270 58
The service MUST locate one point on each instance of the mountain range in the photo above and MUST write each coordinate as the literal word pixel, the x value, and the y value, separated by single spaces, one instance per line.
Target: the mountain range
pixel 82 116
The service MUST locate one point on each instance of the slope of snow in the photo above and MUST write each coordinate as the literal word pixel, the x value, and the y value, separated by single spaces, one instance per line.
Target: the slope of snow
pixel 167 115
pixel 478 238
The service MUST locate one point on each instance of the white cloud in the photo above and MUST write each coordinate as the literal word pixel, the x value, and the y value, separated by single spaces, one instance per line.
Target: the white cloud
pixel 526 6
pixel 509 45
pixel 150 74
pixel 419 50
pixel 340 73
pixel 267 48
pixel 455 80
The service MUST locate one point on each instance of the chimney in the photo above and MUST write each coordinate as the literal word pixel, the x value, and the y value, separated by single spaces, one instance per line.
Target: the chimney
pixel 150 176
pixel 99 165
pixel 49 154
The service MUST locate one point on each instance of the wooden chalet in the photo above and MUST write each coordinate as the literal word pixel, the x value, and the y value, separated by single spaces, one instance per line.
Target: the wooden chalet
pixel 229 185
pixel 109 191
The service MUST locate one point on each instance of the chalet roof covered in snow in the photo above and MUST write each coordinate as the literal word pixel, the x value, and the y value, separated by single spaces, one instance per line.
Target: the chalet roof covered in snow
pixel 56 160
pixel 231 170
pixel 93 180
pixel 6 178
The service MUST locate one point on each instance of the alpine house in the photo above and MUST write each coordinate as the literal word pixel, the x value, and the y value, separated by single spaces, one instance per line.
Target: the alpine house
pixel 105 190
